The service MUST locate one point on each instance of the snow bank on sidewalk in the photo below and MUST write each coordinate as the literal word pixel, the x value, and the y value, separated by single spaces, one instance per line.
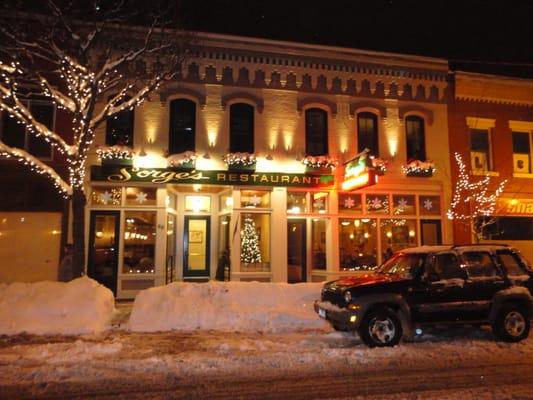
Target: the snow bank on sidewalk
pixel 79 306
pixel 227 306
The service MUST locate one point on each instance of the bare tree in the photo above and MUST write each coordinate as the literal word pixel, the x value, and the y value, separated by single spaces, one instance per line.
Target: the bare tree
pixel 90 71
pixel 472 202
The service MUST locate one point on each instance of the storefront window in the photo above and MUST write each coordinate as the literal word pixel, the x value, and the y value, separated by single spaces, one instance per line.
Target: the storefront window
pixel 139 242
pixel 397 234
pixel 319 202
pixel 318 232
pixel 226 202
pixel 255 199
pixel 296 202
pixel 429 205
pixel 198 203
pixel 403 204
pixel 255 242
pixel 172 201
pixel 350 204
pixel 106 196
pixel 140 196
pixel 357 244
pixel 377 204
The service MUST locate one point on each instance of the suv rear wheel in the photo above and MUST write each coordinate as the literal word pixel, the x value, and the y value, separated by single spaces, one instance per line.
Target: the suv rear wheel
pixel 381 328
pixel 511 324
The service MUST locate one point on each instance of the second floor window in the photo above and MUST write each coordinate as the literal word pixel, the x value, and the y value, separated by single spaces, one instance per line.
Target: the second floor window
pixel 367 133
pixel 316 132
pixel 415 138
pixel 119 129
pixel 521 152
pixel 14 134
pixel 182 132
pixel 480 150
pixel 241 128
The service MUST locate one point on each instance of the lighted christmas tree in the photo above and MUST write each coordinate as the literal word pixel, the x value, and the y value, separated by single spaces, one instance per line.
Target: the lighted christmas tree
pixel 250 252
pixel 472 202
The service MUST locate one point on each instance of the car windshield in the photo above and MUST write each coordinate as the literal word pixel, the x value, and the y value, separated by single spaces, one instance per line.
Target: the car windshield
pixel 403 264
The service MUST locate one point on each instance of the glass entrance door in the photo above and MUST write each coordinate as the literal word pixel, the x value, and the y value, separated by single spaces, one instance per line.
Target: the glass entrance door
pixel 103 248
pixel 171 249
pixel 431 231
pixel 196 245
pixel 296 260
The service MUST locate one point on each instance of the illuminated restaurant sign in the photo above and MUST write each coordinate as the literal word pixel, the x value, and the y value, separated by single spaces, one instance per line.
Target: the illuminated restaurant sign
pixel 121 174
pixel 507 206
pixel 357 174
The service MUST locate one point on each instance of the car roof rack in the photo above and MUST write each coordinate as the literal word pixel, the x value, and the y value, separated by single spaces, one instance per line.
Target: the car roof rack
pixel 480 244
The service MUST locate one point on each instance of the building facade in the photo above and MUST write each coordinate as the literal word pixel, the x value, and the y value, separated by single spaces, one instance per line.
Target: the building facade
pixel 491 123
pixel 271 161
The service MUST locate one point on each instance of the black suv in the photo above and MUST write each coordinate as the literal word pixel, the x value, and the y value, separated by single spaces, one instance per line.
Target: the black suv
pixel 475 284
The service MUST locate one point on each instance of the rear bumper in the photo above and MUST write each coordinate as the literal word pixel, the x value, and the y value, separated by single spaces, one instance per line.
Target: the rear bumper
pixel 341 319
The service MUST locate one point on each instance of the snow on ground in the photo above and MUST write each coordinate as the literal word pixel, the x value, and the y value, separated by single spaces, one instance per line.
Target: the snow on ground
pixel 227 306
pixel 79 306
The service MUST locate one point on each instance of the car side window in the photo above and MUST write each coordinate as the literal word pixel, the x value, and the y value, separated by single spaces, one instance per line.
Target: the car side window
pixel 511 263
pixel 479 264
pixel 444 266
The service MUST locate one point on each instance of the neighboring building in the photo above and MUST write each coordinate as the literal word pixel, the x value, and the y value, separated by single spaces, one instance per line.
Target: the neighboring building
pixel 33 216
pixel 180 208
pixel 491 123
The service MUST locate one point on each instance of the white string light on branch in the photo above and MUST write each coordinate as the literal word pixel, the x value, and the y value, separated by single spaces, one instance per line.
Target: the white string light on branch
pixel 471 199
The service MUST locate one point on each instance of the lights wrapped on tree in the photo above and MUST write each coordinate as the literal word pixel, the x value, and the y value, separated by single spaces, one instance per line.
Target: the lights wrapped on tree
pixel 471 200
pixel 250 251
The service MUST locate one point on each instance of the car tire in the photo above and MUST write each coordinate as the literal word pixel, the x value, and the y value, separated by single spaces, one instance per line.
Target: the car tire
pixel 381 327
pixel 511 324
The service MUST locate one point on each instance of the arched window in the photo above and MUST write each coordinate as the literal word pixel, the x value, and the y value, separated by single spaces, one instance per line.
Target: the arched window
pixel 241 128
pixel 415 138
pixel 316 132
pixel 182 130
pixel 119 128
pixel 367 133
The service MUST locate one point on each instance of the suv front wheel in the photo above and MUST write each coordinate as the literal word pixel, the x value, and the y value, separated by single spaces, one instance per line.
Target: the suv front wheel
pixel 381 328
pixel 511 324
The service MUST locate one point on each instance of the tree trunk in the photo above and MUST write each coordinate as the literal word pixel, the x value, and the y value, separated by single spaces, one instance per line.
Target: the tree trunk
pixel 78 232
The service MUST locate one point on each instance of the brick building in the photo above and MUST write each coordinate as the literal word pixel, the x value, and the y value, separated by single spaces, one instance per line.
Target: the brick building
pixel 491 123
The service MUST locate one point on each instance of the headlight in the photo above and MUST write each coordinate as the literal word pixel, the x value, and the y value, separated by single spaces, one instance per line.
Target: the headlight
pixel 347 296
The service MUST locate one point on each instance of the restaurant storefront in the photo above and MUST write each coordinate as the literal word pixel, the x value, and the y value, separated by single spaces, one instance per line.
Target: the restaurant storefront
pixel 150 226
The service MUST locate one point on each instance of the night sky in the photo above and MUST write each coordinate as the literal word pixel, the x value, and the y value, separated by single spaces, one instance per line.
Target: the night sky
pixel 489 34
pixel 492 36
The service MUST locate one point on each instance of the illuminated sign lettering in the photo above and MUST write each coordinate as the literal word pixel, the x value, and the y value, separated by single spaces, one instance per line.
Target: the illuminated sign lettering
pixel 122 174
pixel 357 174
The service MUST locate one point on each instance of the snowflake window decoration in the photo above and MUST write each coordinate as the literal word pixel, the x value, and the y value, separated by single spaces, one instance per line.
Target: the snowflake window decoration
pixel 114 152
pixel 180 159
pixel 320 162
pixel 240 159
pixel 419 168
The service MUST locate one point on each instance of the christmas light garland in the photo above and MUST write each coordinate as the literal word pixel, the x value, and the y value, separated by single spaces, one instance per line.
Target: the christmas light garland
pixel 320 162
pixel 380 165
pixel 244 159
pixel 472 194
pixel 417 167
pixel 114 152
pixel 180 159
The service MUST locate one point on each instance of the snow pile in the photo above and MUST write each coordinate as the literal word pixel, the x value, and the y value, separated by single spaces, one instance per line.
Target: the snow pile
pixel 79 306
pixel 227 306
